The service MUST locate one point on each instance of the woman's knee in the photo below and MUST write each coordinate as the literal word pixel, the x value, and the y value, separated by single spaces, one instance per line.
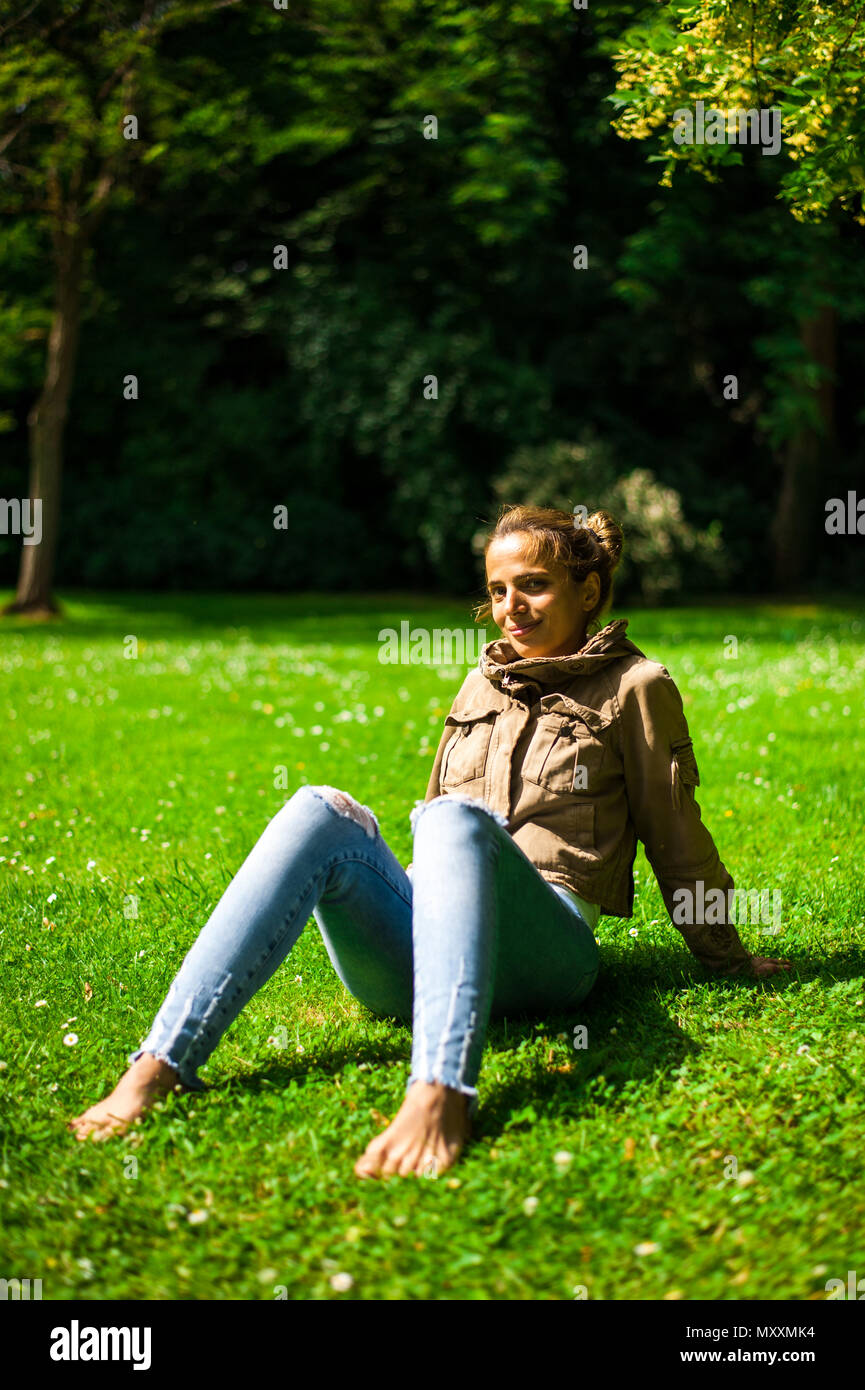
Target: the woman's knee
pixel 463 811
pixel 343 804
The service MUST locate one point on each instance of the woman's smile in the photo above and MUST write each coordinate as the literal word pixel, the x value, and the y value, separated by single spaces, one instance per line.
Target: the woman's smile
pixel 538 608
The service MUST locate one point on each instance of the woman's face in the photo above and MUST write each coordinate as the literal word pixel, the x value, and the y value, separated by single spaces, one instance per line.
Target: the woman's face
pixel 538 607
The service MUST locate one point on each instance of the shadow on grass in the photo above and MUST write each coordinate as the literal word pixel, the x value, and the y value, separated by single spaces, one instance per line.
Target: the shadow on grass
pixel 648 1043
pixel 547 1091
pixel 375 1053
pixel 314 617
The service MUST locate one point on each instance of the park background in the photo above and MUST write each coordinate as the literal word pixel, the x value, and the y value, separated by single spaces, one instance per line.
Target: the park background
pixel 707 1145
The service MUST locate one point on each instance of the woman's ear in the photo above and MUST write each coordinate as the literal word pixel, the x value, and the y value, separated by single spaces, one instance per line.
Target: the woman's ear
pixel 592 590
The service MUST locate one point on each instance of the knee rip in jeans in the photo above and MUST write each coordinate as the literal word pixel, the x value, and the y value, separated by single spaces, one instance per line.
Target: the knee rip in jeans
pixel 346 805
pixel 459 800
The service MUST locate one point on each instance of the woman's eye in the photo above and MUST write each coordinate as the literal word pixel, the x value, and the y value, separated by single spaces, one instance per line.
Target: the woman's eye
pixel 496 594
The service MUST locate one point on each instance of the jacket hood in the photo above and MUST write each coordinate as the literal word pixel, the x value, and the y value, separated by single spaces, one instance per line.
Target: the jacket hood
pixel 498 659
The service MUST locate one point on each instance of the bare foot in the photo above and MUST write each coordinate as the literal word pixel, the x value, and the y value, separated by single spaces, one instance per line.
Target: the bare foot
pixel 425 1137
pixel 146 1081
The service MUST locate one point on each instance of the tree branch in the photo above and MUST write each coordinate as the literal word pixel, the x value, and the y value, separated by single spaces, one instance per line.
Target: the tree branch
pixel 7 139
pixel 64 21
pixel 19 19
pixel 839 51
pixel 41 208
pixel 166 20
pixel 7 164
pixel 66 45
pixel 753 59
pixel 116 76
pixel 95 210
pixel 120 72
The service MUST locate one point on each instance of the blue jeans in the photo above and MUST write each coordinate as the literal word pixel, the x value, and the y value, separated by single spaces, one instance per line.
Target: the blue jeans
pixel 475 931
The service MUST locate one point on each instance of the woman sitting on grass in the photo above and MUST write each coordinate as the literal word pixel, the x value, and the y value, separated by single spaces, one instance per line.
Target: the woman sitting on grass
pixel 558 754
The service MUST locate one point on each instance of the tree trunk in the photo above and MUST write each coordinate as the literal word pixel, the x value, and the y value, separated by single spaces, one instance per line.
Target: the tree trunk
pixel 46 425
pixel 805 458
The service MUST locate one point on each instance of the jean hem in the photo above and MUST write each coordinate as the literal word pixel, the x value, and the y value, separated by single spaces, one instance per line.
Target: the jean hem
pixel 470 1091
pixel 187 1079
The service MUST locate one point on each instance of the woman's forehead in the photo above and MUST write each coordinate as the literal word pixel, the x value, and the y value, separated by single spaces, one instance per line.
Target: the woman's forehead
pixel 508 548
pixel 506 553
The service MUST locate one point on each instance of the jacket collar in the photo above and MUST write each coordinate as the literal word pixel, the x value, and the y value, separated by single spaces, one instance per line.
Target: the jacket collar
pixel 498 660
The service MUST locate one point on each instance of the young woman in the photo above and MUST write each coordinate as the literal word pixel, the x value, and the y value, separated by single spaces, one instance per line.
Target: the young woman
pixel 559 752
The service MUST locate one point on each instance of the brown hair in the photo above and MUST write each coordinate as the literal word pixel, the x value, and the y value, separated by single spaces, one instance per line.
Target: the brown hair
pixel 555 537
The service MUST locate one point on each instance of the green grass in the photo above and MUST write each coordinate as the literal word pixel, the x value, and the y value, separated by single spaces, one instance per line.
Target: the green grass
pixel 151 778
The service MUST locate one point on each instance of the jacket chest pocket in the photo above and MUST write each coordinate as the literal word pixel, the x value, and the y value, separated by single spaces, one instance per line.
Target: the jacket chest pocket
pixel 465 756
pixel 564 754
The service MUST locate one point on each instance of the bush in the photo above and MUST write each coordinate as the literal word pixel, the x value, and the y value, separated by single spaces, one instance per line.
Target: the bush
pixel 663 554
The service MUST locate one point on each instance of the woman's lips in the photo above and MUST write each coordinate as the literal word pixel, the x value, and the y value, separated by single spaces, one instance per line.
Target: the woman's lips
pixel 518 631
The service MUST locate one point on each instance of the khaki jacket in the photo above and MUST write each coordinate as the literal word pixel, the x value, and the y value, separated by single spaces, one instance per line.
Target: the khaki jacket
pixel 584 755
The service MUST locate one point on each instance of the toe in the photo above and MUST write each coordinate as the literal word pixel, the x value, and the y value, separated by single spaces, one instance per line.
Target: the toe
pixel 369 1163
pixel 410 1162
pixel 390 1163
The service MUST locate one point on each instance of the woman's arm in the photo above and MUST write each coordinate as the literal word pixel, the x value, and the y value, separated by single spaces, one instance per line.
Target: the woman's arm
pixel 447 733
pixel 433 787
pixel 660 776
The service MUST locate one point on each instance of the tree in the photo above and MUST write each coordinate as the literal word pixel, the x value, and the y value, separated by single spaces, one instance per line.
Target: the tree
pixel 806 64
pixel 73 89
pixel 806 59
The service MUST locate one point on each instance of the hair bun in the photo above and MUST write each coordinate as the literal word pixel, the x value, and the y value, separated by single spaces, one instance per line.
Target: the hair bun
pixel 608 533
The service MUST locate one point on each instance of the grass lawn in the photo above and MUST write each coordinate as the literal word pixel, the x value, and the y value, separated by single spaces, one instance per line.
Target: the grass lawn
pixel 708 1142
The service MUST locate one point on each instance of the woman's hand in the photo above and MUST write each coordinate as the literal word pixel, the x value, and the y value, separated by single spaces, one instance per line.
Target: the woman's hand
pixel 757 967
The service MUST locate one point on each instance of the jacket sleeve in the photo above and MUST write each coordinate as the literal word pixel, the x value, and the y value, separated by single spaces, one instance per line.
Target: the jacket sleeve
pixel 660 777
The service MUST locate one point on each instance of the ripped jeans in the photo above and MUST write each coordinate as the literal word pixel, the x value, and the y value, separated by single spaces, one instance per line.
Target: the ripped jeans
pixel 475 931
